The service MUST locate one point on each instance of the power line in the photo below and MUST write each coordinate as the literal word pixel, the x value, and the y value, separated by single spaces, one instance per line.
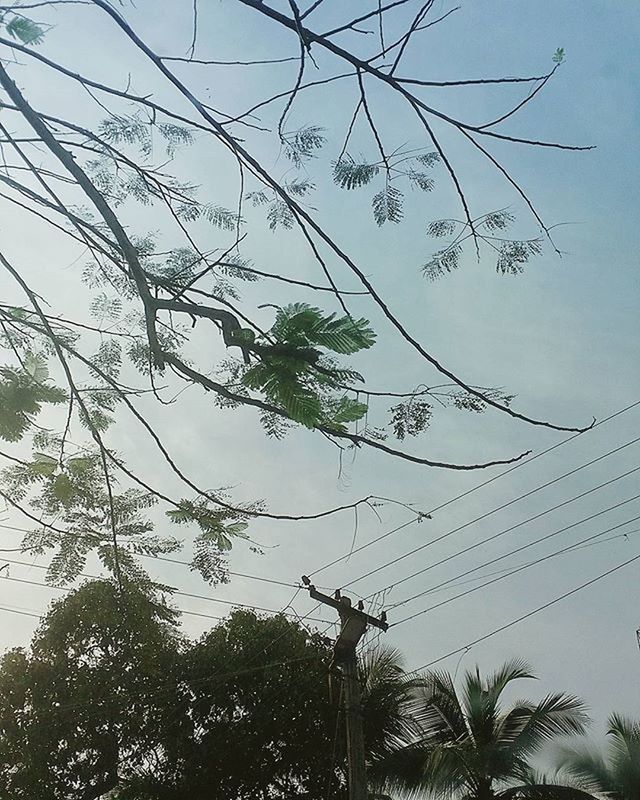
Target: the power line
pixel 510 553
pixel 182 594
pixel 474 489
pixel 493 511
pixel 368 544
pixel 513 571
pixel 455 582
pixel 273 581
pixel 23 612
pixel 529 614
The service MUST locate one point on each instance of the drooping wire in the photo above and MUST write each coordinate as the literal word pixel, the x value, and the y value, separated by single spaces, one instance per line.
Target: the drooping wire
pixel 292 614
pixel 495 536
pixel 529 614
pixel 513 571
pixel 493 511
pixel 475 488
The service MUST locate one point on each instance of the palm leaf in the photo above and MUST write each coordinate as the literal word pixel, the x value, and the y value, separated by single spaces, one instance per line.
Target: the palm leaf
pixel 439 711
pixel 617 775
pixel 527 727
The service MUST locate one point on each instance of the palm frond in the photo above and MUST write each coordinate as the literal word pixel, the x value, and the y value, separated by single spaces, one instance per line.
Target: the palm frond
pixel 439 710
pixel 527 727
pixel 586 768
pixel 388 695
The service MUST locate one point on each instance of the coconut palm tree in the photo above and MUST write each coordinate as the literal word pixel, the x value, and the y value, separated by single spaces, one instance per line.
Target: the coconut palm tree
pixel 615 774
pixel 389 696
pixel 470 747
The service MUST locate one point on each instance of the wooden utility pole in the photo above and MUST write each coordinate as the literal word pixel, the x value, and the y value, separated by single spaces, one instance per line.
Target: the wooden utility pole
pixel 353 624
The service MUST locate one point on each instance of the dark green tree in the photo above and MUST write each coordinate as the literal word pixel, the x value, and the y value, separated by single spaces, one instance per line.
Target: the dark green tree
pixel 253 719
pixel 110 698
pixel 81 707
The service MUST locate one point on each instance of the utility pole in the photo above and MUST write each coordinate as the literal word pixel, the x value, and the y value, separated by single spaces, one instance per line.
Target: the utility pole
pixel 353 624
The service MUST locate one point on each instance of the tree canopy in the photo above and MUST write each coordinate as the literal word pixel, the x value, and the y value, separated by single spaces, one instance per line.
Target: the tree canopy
pixel 111 697
pixel 111 700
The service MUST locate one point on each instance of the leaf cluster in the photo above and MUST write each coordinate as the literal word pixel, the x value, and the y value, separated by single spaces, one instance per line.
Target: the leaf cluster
pixel 279 214
pixel 22 28
pixel 388 203
pixel 411 418
pixel 301 145
pixel 23 391
pixel 294 372
pixel 512 254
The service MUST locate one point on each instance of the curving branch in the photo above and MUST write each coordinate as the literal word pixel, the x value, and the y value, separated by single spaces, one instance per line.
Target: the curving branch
pixel 300 213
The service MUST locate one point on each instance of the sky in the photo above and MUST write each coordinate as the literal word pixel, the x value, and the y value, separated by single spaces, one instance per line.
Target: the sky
pixel 563 337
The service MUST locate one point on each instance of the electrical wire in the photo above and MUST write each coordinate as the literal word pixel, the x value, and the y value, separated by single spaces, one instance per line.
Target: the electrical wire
pixel 23 612
pixel 182 594
pixel 475 488
pixel 511 552
pixel 454 582
pixel 513 571
pixel 529 614
pixel 484 516
pixel 170 561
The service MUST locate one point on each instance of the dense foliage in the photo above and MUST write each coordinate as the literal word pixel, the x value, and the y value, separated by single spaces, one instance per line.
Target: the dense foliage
pixel 110 697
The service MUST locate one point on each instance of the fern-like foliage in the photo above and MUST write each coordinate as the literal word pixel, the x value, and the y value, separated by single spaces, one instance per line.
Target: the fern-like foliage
pixel 302 325
pixel 296 376
pixel 235 266
pixel 388 205
pixel 299 187
pixel 108 359
pixel 105 307
pixel 216 525
pixel 441 227
pixel 498 220
pixel 218 216
pixel 410 418
pixel 301 145
pixel 136 131
pixel 23 391
pixel 514 255
pixel 129 130
pixel 25 30
pixel 442 262
pixel 218 528
pixel 421 180
pixel 470 402
pixel 175 136
pixel 279 213
pixel 351 174
pixel 72 491
pixel 275 426
pixel 487 231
